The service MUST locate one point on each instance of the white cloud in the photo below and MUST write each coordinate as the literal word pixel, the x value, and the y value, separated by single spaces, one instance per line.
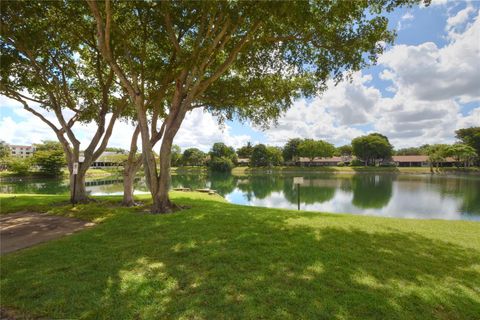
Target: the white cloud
pixel 404 21
pixel 430 73
pixel 460 18
pixel 429 86
pixel 201 130
pixel 312 119
pixel 407 16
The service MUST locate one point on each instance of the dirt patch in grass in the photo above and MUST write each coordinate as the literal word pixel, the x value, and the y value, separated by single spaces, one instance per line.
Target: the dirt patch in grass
pixel 25 229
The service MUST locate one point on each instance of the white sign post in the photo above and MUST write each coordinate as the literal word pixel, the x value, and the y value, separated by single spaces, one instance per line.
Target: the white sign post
pixel 75 172
pixel 298 181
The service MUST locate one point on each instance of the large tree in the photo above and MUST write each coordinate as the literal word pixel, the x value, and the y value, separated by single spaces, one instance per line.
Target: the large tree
pixel 372 148
pixel 50 65
pixel 311 149
pixel 239 59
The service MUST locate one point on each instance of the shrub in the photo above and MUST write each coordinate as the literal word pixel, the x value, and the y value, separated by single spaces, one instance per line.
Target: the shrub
pixel 356 162
pixel 50 162
pixel 341 164
pixel 19 165
pixel 223 164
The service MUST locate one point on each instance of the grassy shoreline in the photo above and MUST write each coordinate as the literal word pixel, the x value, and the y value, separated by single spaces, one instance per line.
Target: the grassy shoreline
pixel 353 170
pixel 219 260
pixel 91 174
pixel 243 171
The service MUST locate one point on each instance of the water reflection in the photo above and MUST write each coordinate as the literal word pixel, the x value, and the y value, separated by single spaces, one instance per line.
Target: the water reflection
pixel 410 196
pixel 372 191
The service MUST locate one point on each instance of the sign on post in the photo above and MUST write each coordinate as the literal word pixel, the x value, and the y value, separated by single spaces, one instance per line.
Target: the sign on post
pixel 75 168
pixel 298 180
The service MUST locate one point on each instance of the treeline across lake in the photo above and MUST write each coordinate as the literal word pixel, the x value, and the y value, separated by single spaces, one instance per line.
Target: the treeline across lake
pixel 370 150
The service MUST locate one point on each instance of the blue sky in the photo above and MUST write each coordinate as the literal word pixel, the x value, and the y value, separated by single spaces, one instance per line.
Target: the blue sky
pixel 423 88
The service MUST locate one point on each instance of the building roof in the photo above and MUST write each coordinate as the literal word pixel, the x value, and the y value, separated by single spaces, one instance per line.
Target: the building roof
pixel 416 158
pixel 243 160
pixel 321 160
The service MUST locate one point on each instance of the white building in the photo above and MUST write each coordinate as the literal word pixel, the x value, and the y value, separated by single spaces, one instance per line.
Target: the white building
pixel 22 151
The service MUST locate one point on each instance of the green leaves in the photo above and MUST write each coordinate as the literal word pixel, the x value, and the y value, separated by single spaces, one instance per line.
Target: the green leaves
pixel 372 147
pixel 315 148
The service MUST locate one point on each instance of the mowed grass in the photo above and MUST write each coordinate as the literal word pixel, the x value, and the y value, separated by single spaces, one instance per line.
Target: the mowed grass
pixel 221 261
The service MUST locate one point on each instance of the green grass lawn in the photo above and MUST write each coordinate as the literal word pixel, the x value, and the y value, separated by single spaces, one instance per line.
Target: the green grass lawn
pixel 221 261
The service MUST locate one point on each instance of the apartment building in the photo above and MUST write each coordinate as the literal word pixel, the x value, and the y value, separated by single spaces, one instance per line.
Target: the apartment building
pixel 22 151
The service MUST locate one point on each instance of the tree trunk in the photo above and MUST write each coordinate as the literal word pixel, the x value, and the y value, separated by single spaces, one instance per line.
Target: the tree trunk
pixel 128 180
pixel 129 173
pixel 161 201
pixel 78 192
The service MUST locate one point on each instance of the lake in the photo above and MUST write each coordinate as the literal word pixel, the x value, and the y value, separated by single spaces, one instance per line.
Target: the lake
pixel 452 197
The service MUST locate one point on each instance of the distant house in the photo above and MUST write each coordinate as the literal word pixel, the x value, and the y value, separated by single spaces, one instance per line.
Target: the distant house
pixel 419 161
pixel 22 151
pixel 243 161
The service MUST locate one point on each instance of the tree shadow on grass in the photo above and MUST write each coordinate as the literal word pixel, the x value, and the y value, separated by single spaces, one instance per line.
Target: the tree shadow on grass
pixel 219 261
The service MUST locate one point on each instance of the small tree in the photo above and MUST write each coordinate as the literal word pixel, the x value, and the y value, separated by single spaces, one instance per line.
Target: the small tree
pixel 290 150
pixel 275 157
pixel 222 157
pixel 245 151
pixel 259 156
pixel 345 151
pixel 471 137
pixel 176 157
pixel 315 148
pixel 436 154
pixel 461 153
pixel 5 151
pixel 193 157
pixel 222 164
pixel 5 154
pixel 19 166
pixel 50 158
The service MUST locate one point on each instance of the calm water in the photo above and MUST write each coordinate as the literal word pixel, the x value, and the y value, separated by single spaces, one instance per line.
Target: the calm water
pixel 406 196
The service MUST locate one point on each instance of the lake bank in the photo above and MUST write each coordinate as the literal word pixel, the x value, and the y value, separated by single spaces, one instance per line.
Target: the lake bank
pixel 354 170
pixel 222 260
pixel 90 174
pixel 422 196
pixel 240 171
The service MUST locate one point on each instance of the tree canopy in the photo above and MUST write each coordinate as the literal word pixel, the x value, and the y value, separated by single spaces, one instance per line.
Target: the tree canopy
pixel 245 151
pixel 470 136
pixel 315 148
pixel 371 148
pixel 241 59
pixel 193 157
pixel 290 150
